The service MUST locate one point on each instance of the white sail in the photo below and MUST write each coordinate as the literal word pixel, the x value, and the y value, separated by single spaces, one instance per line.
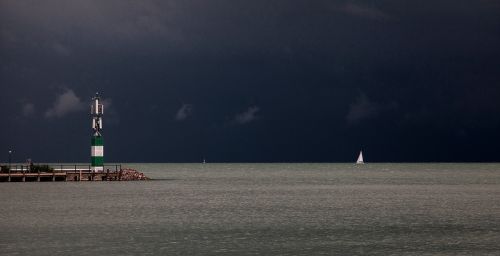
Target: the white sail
pixel 360 158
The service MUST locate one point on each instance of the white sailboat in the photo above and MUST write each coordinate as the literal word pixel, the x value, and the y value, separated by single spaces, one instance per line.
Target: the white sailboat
pixel 360 158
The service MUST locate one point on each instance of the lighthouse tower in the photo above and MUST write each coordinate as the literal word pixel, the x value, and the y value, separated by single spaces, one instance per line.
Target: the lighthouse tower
pixel 97 149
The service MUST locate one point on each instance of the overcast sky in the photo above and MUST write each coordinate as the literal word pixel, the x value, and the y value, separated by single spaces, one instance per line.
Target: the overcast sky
pixel 251 81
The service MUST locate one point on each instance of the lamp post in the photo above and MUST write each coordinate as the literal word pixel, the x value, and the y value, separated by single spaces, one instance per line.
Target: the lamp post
pixel 10 158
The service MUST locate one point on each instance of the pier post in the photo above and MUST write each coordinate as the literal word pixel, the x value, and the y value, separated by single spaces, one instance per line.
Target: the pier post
pixel 80 176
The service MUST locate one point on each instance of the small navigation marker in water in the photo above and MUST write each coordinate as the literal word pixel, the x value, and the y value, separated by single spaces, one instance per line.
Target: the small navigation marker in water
pixel 360 158
pixel 97 148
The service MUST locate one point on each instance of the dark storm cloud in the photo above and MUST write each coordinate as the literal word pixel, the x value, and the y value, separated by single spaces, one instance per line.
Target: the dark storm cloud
pixel 128 19
pixel 247 116
pixel 61 49
pixel 60 26
pixel 364 11
pixel 65 103
pixel 28 109
pixel 112 115
pixel 184 112
pixel 332 77
pixel 362 109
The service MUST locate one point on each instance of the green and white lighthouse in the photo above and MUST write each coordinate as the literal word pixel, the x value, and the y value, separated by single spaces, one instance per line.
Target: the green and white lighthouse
pixel 97 149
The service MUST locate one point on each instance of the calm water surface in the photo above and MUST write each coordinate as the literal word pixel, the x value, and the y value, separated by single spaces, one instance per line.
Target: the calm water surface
pixel 260 209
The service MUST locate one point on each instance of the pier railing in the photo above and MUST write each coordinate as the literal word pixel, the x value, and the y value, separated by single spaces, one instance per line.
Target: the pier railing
pixel 60 172
pixel 63 168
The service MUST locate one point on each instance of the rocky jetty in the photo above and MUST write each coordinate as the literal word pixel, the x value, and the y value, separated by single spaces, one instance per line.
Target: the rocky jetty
pixel 131 174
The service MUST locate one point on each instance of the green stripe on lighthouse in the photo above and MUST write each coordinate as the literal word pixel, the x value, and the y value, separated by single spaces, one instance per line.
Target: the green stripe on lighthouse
pixel 97 141
pixel 97 161
pixel 97 153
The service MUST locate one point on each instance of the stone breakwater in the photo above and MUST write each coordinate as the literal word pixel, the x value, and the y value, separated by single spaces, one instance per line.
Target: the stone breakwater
pixel 131 174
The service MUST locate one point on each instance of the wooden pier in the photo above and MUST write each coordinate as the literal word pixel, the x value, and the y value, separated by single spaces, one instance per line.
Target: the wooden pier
pixel 22 173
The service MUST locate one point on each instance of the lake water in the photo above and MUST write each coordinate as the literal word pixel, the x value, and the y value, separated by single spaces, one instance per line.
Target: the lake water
pixel 260 209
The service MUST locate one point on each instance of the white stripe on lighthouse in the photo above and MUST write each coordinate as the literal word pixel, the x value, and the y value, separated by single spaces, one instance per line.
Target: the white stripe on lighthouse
pixel 97 151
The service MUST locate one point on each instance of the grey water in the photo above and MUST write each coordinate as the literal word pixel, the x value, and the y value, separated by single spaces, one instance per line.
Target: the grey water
pixel 260 209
